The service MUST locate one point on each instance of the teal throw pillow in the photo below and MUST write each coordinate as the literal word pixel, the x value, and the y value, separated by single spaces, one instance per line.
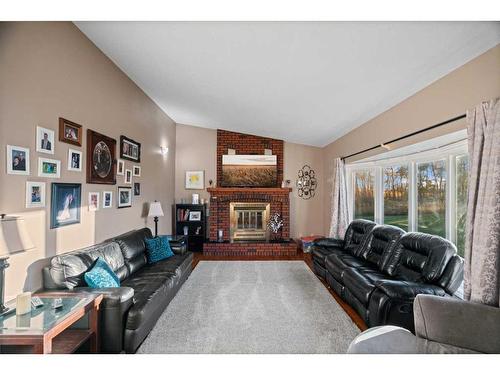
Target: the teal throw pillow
pixel 101 276
pixel 157 249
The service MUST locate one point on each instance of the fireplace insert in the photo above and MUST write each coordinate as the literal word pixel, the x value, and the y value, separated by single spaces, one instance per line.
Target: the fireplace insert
pixel 248 221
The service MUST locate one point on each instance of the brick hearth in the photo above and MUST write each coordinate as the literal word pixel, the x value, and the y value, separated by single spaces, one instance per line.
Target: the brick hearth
pixel 250 249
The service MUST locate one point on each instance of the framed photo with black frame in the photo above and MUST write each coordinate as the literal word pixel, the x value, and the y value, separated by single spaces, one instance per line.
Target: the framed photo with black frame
pixel 65 204
pixel 124 196
pixel 130 149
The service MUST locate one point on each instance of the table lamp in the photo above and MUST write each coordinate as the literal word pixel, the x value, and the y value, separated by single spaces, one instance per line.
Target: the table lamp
pixel 155 211
pixel 13 238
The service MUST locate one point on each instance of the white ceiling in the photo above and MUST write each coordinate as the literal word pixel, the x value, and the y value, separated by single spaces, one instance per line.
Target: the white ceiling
pixel 304 82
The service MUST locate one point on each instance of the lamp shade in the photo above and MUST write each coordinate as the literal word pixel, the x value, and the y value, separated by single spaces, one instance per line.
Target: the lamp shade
pixel 155 209
pixel 14 236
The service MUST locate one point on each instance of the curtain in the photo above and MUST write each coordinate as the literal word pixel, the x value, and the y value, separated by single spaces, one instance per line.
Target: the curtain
pixel 482 243
pixel 339 209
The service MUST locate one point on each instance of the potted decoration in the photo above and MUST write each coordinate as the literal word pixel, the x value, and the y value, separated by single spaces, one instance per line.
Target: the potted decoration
pixel 275 224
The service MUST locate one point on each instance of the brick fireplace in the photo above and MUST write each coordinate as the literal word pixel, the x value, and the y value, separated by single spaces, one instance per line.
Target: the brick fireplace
pixel 220 219
pixel 220 204
pixel 252 236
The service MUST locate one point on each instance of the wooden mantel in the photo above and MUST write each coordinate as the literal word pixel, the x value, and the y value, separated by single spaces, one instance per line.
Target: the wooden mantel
pixel 229 190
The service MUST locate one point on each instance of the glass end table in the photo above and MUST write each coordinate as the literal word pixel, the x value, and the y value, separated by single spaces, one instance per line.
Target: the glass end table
pixel 48 330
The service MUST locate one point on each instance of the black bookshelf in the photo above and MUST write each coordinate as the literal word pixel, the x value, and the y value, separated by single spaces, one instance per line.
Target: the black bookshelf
pixel 197 229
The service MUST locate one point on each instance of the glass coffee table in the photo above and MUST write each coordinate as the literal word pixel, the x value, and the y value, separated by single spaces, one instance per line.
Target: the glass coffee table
pixel 47 330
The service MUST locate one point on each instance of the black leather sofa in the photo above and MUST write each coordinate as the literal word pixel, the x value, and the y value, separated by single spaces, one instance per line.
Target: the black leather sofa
pixel 382 272
pixel 128 313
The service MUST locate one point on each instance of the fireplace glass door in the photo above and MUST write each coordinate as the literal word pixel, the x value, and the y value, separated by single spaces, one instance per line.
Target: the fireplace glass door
pixel 249 221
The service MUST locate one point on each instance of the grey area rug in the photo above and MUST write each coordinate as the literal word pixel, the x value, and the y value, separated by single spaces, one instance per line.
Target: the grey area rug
pixel 252 307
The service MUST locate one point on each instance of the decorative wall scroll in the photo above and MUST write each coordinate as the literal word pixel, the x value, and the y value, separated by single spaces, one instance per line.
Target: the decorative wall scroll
pixel 306 182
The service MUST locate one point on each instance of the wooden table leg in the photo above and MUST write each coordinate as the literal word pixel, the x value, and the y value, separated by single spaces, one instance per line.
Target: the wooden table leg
pixel 42 346
pixel 94 326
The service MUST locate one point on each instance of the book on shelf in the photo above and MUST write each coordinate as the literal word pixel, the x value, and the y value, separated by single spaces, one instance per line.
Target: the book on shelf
pixel 182 214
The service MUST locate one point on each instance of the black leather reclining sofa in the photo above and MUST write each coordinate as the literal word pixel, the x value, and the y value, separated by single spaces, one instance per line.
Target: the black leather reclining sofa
pixel 128 313
pixel 380 269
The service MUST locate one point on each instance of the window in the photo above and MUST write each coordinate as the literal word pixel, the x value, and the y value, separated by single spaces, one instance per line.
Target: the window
pixel 424 191
pixel 431 200
pixel 396 196
pixel 364 201
pixel 461 176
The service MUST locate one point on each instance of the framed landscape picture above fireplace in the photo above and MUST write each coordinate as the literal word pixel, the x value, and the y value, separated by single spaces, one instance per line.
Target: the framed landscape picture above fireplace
pixel 249 170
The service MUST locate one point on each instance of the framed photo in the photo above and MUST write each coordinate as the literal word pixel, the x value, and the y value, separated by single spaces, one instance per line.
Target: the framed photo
pixel 35 194
pixel 121 168
pixel 49 168
pixel 136 171
pixel 195 180
pixel 130 149
pixel 65 204
pixel 137 188
pixel 195 216
pixel 45 140
pixel 18 160
pixel 195 199
pixel 74 160
pixel 101 161
pixel 249 171
pixel 70 132
pixel 128 176
pixel 93 201
pixel 107 199
pixel 124 196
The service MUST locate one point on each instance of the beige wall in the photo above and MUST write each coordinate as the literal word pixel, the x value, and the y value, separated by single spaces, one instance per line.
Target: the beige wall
pixel 446 98
pixel 306 215
pixel 196 149
pixel 48 70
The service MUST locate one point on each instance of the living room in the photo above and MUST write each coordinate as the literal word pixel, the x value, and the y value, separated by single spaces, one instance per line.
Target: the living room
pixel 248 187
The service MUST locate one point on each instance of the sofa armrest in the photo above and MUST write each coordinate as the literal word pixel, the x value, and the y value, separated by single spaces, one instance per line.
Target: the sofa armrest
pixel 391 303
pixel 112 297
pixel 329 242
pixel 459 323
pixel 178 244
pixel 115 306
pixel 407 290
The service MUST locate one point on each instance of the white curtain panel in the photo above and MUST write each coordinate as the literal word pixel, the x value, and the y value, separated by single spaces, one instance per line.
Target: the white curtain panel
pixel 339 209
pixel 482 244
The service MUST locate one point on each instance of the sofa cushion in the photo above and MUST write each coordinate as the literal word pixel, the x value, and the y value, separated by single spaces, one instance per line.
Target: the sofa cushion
pixel 133 248
pixel 379 245
pixel 101 276
pixel 337 263
pixel 67 270
pixel 422 257
pixel 356 234
pixel 148 300
pixel 361 283
pixel 154 286
pixel 320 253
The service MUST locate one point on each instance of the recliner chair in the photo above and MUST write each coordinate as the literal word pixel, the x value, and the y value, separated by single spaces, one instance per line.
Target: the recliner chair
pixel 353 275
pixel 355 234
pixel 443 325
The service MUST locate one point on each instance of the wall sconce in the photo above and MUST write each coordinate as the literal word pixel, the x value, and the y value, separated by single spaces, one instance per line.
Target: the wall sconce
pixel 164 150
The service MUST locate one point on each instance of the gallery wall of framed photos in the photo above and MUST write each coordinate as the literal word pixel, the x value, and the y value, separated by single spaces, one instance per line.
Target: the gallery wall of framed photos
pixel 48 105
pixel 100 163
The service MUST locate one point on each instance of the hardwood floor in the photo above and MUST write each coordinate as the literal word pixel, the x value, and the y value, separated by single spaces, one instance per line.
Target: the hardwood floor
pixel 300 256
